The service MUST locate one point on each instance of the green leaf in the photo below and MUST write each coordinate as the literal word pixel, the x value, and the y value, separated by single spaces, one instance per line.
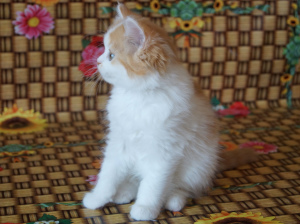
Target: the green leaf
pixel 85 43
pixel 65 221
pixel 181 5
pixel 289 98
pixel 199 12
pixel 164 11
pixel 295 62
pixel 209 10
pixel 214 101
pixel 46 205
pixel 297 30
pixel 195 32
pixel 186 15
pixel 106 10
pixel 46 217
pixel 192 5
pixel 292 70
pixel 174 12
pixel 177 32
pixel 297 39
pixel 70 203
pixel 264 8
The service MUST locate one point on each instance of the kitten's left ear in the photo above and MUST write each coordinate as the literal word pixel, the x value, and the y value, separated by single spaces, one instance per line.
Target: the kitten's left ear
pixel 134 32
pixel 123 11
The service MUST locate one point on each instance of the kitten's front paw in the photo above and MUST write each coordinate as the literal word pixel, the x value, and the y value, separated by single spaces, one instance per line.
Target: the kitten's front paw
pixel 141 212
pixel 93 201
pixel 124 197
pixel 175 203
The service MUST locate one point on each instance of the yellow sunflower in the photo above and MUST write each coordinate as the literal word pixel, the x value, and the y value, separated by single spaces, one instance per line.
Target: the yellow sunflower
pixel 294 5
pixel 48 144
pixel 45 2
pixel 218 5
pixel 286 78
pixel 234 5
pixel 174 22
pixel 14 120
pixel 154 5
pixel 292 21
pixel 186 25
pixel 196 21
pixel 249 217
pixel 138 6
pixel 284 91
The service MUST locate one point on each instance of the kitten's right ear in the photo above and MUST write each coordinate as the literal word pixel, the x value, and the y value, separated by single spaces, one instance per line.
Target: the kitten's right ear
pixel 123 11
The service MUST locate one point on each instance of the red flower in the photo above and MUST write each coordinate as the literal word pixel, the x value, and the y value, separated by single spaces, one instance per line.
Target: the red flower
pixel 1 168
pixel 97 41
pixel 238 106
pixel 89 63
pixel 260 147
pixel 236 109
pixel 92 179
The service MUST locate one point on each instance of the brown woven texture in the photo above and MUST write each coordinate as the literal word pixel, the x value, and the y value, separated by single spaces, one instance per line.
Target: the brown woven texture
pixel 238 58
pixel 58 174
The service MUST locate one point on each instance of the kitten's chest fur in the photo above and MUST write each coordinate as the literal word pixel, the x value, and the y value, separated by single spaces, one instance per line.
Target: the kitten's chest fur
pixel 136 112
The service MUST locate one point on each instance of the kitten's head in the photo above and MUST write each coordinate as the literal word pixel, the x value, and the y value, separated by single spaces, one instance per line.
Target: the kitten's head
pixel 137 52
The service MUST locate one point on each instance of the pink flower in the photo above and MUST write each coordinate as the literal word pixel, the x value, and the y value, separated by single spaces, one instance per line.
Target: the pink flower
pixel 33 21
pixel 92 179
pixel 260 147
pixel 90 54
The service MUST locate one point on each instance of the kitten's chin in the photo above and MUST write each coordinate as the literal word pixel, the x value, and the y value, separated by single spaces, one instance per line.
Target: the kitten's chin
pixel 106 77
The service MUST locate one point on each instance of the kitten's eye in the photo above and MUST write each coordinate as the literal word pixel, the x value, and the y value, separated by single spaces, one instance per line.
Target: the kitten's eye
pixel 111 56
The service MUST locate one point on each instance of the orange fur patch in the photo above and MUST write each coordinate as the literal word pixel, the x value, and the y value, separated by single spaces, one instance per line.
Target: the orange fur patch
pixel 154 55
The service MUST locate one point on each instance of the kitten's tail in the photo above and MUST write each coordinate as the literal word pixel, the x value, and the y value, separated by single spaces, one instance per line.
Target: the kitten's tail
pixel 237 157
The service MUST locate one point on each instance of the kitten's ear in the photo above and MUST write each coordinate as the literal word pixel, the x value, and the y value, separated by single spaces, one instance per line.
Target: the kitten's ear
pixel 123 11
pixel 134 32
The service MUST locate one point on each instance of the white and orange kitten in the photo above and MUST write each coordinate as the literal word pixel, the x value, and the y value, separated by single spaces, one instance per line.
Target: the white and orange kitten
pixel 162 145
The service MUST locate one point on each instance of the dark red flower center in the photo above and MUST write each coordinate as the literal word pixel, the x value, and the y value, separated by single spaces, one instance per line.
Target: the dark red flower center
pixel 15 123
pixel 237 220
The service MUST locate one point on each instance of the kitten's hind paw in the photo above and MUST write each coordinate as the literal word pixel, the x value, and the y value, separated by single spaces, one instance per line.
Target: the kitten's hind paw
pixel 141 212
pixel 92 201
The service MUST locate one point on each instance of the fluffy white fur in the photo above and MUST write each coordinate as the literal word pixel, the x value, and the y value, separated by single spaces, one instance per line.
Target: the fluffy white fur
pixel 161 148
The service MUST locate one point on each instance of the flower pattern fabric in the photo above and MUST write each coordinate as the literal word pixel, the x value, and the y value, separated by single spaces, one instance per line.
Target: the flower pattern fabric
pixel 46 2
pixel 15 121
pixel 90 54
pixel 260 147
pixel 249 217
pixel 33 22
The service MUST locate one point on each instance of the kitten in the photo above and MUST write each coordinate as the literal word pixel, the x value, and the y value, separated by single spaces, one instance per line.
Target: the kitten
pixel 163 141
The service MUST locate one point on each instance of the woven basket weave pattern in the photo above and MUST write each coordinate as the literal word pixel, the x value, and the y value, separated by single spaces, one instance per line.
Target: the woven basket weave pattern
pixel 238 58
